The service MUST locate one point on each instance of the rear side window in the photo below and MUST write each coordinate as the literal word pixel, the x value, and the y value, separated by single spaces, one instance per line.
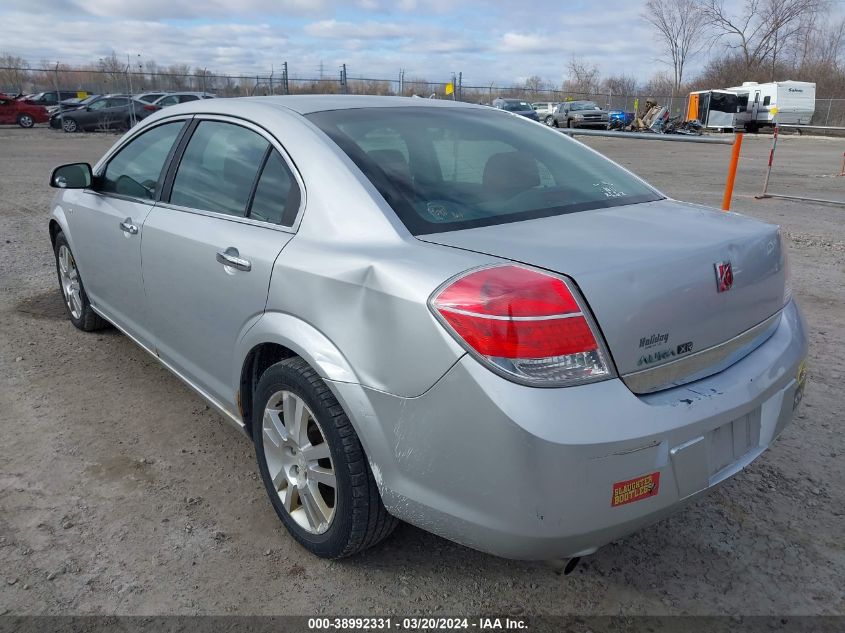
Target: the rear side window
pixel 767 101
pixel 135 169
pixel 276 197
pixel 218 168
pixel 456 168
pixel 186 98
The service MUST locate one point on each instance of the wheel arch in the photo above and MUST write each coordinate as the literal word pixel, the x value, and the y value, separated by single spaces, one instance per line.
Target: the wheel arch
pixel 274 337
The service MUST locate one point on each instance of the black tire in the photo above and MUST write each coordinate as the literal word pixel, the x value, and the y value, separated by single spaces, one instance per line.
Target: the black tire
pixel 26 120
pixel 569 123
pixel 360 519
pixel 751 127
pixel 69 125
pixel 88 320
pixel 550 121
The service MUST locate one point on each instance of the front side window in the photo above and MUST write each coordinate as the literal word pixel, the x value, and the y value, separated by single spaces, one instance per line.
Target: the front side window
pixel 218 169
pixel 468 167
pixel 136 168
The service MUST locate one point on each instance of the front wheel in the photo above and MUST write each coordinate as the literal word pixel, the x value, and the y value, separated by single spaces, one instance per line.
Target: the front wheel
pixel 25 120
pixel 69 125
pixel 550 121
pixel 79 309
pixel 313 465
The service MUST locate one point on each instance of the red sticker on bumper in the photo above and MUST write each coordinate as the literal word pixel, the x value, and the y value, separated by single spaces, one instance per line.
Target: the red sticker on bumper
pixel 635 489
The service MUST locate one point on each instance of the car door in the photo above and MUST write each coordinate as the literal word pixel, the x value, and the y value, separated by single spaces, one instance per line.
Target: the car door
pixel 7 111
pixel 209 248
pixel 107 224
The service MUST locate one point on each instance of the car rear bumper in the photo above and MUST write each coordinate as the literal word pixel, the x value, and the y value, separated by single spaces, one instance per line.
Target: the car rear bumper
pixel 533 473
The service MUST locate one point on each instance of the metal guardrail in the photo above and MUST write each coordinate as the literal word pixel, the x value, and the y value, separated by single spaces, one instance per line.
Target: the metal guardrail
pixel 649 136
pixel 812 127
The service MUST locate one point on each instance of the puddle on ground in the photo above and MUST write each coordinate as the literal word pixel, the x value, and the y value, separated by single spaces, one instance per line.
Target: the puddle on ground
pixel 47 305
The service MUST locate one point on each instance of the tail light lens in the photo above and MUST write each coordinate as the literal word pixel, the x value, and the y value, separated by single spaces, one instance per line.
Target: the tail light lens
pixel 150 107
pixel 527 325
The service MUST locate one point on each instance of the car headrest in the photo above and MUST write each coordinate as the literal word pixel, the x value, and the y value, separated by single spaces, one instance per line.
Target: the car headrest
pixel 392 162
pixel 513 171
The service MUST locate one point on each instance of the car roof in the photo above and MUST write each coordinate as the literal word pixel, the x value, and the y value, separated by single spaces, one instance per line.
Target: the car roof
pixel 307 104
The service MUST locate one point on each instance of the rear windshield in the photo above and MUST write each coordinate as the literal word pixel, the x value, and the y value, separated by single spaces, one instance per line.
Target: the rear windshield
pixel 446 169
pixel 516 106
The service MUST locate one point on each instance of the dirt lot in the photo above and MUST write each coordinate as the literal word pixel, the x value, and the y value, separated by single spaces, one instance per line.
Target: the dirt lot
pixel 122 493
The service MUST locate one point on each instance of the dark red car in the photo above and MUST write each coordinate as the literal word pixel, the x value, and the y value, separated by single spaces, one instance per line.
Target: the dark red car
pixel 18 111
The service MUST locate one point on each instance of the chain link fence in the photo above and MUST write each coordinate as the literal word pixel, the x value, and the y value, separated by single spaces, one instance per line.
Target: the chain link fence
pixel 13 80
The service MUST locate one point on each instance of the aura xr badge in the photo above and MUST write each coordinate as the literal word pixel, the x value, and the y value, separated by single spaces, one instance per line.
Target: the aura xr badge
pixel 724 276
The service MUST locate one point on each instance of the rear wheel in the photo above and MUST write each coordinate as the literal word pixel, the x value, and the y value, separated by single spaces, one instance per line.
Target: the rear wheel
pixel 313 465
pixel 79 309
pixel 69 125
pixel 25 120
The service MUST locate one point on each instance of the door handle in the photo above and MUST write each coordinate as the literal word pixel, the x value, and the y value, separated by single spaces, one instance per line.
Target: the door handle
pixel 127 227
pixel 231 257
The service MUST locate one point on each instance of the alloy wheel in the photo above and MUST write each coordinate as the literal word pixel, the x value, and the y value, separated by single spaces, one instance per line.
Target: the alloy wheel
pixel 71 288
pixel 299 462
pixel 69 125
pixel 26 121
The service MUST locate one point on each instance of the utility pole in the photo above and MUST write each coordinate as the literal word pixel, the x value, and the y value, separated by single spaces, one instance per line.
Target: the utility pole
pixel 460 86
pixel 344 88
pixel 56 84
pixel 272 70
pixel 401 82
pixel 132 118
pixel 285 88
pixel 454 86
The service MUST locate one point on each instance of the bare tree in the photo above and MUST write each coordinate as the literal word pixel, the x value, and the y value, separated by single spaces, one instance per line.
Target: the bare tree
pixel 584 78
pixel 681 25
pixel 761 30
pixel 14 72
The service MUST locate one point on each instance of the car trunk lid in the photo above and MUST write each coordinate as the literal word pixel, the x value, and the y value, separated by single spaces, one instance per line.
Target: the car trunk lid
pixel 649 274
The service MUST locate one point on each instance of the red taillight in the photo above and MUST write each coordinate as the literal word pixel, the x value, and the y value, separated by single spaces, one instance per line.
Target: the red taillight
pixel 150 107
pixel 523 322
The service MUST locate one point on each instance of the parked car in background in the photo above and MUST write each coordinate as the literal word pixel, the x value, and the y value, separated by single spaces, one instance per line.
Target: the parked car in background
pixel 107 112
pixel 544 108
pixel 17 111
pixel 174 98
pixel 149 97
pixel 517 106
pixel 71 104
pixel 578 114
pixel 53 97
pixel 476 325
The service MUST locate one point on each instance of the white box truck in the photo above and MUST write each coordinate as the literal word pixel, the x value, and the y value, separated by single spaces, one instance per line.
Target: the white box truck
pixel 792 102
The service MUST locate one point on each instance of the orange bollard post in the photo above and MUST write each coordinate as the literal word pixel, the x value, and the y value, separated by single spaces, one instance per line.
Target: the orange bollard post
pixel 729 185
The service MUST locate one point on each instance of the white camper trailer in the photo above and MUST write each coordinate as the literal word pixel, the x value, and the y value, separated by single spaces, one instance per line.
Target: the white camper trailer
pixel 793 102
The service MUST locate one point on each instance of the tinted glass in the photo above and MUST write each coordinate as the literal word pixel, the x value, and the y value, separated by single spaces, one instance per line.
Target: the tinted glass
pixel 99 105
pixel 135 170
pixel 167 101
pixel 218 168
pixel 185 98
pixel 471 167
pixel 277 195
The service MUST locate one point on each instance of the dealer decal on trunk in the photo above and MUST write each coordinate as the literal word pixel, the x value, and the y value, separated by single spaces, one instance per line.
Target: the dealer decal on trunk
pixel 635 489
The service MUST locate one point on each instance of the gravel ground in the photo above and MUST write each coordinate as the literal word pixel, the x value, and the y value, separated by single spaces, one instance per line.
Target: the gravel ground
pixel 121 492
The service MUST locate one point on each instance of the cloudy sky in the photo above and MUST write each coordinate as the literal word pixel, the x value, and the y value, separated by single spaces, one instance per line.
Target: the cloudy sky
pixel 502 41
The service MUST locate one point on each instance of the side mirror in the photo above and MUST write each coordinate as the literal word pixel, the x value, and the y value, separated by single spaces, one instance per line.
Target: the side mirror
pixel 73 176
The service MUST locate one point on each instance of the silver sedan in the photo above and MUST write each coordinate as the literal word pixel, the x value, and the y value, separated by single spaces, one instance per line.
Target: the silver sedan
pixel 438 313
